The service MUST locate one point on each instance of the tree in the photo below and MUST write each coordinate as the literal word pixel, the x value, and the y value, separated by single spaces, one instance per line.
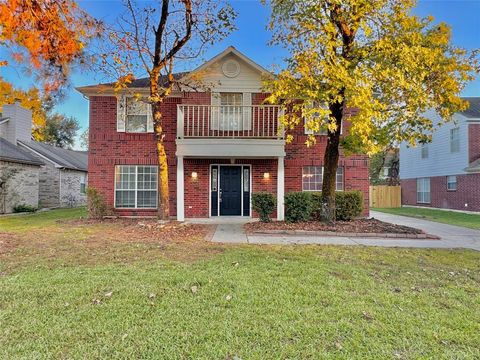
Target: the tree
pixel 150 39
pixel 48 35
pixel 84 140
pixel 370 62
pixel 388 159
pixel 60 130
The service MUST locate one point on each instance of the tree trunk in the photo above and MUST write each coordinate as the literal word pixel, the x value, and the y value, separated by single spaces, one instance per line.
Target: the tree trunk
pixel 163 193
pixel 330 166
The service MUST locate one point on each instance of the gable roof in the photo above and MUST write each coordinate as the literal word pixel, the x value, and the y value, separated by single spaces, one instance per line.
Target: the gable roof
pixel 473 111
pixel 69 159
pixel 13 153
pixel 143 83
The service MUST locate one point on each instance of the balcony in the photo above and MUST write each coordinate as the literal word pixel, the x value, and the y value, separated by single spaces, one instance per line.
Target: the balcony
pixel 229 131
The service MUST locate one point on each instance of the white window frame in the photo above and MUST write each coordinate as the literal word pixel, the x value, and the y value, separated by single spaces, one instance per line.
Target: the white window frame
pixel 147 114
pixel 83 184
pixel 455 140
pixel 342 176
pixel 423 191
pixel 424 151
pixel 135 189
pixel 449 183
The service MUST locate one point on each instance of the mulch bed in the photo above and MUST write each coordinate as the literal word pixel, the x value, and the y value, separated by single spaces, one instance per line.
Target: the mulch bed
pixel 358 227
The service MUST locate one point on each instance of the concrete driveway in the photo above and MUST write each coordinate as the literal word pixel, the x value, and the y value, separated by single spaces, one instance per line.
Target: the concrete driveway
pixel 451 236
pixel 231 231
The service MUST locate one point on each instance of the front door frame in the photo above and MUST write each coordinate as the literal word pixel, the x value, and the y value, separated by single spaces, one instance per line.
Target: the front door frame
pixel 218 185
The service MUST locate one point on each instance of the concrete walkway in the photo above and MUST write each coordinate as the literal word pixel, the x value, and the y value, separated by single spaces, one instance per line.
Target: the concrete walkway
pixel 230 230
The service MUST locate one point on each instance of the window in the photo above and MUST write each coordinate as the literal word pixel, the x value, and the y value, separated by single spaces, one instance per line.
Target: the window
pixel 455 140
pixel 424 151
pixel 313 118
pixel 231 111
pixel 423 190
pixel 135 186
pixel 312 178
pixel 136 115
pixel 451 183
pixel 83 183
pixel 214 179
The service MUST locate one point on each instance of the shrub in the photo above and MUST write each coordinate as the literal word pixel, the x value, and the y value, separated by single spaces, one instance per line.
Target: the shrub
pixel 349 205
pixel 264 205
pixel 24 208
pixel 298 206
pixel 96 205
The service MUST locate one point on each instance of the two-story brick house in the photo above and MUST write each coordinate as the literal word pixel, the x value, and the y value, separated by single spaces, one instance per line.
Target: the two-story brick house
pixel 446 172
pixel 222 145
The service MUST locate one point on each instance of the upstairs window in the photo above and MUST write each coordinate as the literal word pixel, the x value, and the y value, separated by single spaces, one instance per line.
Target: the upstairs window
pixel 312 178
pixel 424 151
pixel 137 114
pixel 423 190
pixel 455 140
pixel 312 119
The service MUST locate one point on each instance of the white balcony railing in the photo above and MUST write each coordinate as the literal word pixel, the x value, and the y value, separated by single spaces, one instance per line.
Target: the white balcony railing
pixel 214 121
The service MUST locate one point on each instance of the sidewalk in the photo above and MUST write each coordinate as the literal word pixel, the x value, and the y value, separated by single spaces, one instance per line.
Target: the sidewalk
pixel 232 232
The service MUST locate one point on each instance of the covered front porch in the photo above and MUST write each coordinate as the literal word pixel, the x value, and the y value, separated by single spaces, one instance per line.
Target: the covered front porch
pixel 223 187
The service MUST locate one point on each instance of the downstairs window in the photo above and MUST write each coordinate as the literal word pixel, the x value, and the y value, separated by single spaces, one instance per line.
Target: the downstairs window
pixel 312 178
pixel 136 186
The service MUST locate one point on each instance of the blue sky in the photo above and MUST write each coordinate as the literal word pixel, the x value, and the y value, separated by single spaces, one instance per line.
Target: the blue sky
pixel 252 37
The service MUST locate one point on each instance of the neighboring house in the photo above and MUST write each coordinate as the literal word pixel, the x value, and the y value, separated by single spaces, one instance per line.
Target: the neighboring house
pixel 35 173
pixel 446 172
pixel 221 145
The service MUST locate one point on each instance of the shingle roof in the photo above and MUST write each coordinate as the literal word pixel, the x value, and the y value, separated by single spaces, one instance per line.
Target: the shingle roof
pixel 14 153
pixel 474 166
pixel 473 111
pixel 137 83
pixel 70 159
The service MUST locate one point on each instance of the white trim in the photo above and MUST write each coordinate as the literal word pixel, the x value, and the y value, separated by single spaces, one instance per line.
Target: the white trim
pixel 180 189
pixel 280 188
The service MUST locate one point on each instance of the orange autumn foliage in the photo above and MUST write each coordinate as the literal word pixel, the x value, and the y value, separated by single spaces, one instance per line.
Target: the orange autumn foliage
pixel 49 35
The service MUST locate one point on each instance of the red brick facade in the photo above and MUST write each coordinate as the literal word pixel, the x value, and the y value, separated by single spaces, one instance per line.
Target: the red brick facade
pixel 108 148
pixel 473 142
pixel 468 192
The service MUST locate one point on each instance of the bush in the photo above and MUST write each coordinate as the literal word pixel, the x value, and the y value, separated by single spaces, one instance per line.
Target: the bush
pixel 24 208
pixel 264 205
pixel 96 205
pixel 349 205
pixel 298 206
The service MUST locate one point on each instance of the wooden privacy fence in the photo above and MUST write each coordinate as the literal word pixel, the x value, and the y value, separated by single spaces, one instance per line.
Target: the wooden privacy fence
pixel 384 196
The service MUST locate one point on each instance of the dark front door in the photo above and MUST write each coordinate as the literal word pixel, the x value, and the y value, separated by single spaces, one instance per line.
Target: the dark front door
pixel 231 190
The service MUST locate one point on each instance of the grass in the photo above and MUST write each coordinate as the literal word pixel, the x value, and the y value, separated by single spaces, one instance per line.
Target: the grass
pixel 76 298
pixel 447 217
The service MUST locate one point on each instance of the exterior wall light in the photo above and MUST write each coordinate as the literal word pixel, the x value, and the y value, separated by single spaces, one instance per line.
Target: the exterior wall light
pixel 266 175
pixel 194 175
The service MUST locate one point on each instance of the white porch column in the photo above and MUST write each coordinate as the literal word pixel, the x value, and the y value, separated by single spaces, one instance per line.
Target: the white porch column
pixel 180 190
pixel 280 189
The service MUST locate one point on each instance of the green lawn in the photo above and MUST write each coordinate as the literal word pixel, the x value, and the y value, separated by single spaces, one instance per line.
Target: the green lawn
pixel 97 290
pixel 448 217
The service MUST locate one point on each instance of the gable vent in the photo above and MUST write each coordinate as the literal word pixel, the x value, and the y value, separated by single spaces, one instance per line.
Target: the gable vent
pixel 231 68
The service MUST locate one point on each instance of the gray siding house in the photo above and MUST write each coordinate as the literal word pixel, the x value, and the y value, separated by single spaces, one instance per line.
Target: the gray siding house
pixel 35 173
pixel 446 172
